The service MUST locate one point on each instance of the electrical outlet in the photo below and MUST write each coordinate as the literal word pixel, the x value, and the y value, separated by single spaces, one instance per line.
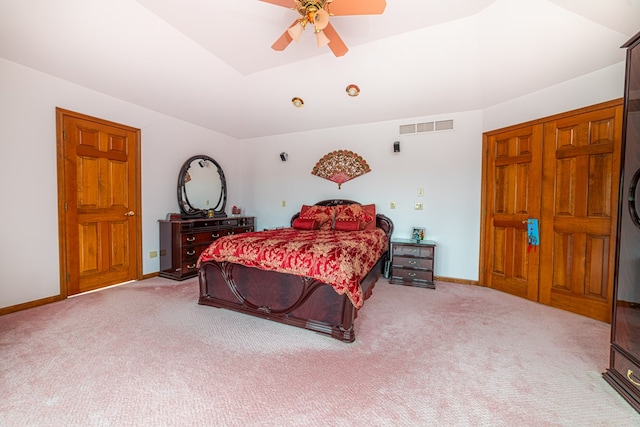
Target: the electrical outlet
pixel 418 206
pixel 420 192
pixel 392 205
pixel 153 254
pixel 284 203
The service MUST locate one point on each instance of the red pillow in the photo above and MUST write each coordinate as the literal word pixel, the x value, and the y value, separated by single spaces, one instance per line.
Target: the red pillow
pixel 306 224
pixel 356 213
pixel 323 214
pixel 347 225
pixel 371 210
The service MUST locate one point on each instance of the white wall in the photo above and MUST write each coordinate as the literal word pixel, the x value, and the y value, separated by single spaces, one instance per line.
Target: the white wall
pixel 600 86
pixel 446 164
pixel 28 218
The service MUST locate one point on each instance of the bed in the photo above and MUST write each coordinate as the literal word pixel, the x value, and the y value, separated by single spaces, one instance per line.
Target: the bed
pixel 236 274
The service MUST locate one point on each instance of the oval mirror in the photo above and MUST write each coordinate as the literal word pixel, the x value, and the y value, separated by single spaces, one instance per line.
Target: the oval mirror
pixel 202 188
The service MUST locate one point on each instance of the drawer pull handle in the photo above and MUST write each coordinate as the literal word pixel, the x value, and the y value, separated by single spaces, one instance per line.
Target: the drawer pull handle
pixel 191 253
pixel 190 266
pixel 411 274
pixel 413 262
pixel 215 235
pixel 629 374
pixel 191 239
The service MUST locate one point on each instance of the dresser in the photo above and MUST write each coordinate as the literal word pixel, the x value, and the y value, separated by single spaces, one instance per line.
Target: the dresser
pixel 412 262
pixel 182 241
pixel 624 362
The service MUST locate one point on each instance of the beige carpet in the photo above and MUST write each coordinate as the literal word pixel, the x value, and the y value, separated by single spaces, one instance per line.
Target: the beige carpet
pixel 145 354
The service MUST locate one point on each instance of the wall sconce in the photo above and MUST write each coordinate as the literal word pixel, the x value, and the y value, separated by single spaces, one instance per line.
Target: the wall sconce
pixel 284 156
pixel 297 102
pixel 396 147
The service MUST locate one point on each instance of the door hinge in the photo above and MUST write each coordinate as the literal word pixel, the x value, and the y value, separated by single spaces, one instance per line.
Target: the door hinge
pixel 64 135
pixel 67 277
pixel 66 207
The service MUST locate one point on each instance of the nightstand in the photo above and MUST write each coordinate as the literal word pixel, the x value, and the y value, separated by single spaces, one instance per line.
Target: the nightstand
pixel 412 263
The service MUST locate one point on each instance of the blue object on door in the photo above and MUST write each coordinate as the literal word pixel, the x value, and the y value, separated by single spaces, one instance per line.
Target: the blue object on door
pixel 532 232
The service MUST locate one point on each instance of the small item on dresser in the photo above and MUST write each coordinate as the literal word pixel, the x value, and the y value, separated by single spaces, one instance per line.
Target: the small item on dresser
pixel 417 234
pixel 173 216
pixel 236 210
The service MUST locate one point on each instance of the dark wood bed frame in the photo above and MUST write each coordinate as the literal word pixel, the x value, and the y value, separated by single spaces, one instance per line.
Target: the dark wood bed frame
pixel 286 298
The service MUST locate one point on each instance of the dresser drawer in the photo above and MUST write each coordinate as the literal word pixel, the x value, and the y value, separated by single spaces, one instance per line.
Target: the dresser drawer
pixel 189 267
pixel 192 252
pixel 407 262
pixel 415 251
pixel 203 236
pixel 626 368
pixel 238 230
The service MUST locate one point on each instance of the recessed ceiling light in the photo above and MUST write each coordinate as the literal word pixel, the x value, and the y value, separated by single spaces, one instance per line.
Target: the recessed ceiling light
pixel 297 102
pixel 353 90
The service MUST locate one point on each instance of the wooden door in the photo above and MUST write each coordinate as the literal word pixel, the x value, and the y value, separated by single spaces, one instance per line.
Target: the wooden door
pixel 99 202
pixel 513 174
pixel 580 199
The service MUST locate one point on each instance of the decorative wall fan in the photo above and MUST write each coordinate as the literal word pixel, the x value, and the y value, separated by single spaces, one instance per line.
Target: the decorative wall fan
pixel 341 166
pixel 317 13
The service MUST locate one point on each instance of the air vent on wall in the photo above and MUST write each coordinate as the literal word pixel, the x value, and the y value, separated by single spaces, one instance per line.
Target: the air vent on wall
pixel 444 125
pixel 426 127
pixel 407 129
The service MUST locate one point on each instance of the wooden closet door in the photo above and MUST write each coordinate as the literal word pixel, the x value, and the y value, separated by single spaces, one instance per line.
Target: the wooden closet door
pixel 579 210
pixel 513 179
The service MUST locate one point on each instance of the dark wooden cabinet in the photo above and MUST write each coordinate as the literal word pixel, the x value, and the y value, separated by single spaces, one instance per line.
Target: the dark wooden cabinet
pixel 412 262
pixel 182 241
pixel 624 366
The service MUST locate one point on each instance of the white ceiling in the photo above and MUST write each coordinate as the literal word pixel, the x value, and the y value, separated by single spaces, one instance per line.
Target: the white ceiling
pixel 209 62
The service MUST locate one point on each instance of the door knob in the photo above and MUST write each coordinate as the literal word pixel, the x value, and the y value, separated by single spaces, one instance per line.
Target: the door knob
pixel 130 213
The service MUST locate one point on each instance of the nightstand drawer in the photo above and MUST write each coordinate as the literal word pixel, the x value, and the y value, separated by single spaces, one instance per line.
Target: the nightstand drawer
pixel 414 251
pixel 407 262
pixel 407 275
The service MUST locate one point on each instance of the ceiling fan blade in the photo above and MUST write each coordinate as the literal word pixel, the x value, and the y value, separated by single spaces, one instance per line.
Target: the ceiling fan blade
pixel 336 44
pixel 289 4
pixel 356 7
pixel 284 40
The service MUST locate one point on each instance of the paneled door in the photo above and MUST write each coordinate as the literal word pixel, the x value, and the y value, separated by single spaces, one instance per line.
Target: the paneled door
pixel 564 171
pixel 513 169
pixel 99 202
pixel 580 190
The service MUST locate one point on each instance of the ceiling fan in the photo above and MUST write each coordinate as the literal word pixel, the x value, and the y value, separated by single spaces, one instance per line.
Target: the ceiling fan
pixel 317 13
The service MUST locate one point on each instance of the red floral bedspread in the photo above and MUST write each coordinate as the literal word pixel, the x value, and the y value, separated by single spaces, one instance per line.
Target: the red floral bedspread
pixel 341 259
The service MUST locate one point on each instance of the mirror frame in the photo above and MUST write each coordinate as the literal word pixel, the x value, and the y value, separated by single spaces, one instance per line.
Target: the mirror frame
pixel 186 209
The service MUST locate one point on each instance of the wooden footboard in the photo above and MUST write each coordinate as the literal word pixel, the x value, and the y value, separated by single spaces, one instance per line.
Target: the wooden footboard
pixel 293 300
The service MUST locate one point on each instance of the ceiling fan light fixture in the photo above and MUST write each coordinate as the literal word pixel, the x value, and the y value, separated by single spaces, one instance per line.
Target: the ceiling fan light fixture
pixel 322 39
pixel 353 90
pixel 296 31
pixel 297 102
pixel 321 19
